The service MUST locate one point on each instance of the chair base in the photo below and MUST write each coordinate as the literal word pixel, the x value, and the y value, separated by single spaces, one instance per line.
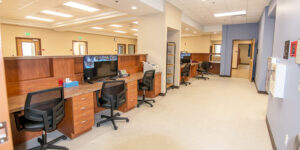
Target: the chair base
pixel 112 118
pixel 201 77
pixel 49 145
pixel 145 101
pixel 185 83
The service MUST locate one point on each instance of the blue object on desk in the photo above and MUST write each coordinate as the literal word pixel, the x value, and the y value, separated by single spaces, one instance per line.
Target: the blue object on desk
pixel 71 84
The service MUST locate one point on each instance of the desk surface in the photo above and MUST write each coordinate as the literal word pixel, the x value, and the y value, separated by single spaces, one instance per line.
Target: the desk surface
pixel 16 103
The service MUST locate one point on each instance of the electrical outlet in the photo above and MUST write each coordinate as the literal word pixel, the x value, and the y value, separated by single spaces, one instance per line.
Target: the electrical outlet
pixel 286 140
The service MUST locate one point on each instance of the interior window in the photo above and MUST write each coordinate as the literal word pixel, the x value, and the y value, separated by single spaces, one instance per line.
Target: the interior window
pixel 80 48
pixel 131 49
pixel 28 47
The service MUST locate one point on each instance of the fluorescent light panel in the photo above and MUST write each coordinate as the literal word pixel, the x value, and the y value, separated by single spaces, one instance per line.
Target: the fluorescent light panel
pixel 116 25
pixel 97 28
pixel 120 31
pixel 135 22
pixel 80 6
pixel 134 29
pixel 235 13
pixel 38 18
pixel 56 13
pixel 133 7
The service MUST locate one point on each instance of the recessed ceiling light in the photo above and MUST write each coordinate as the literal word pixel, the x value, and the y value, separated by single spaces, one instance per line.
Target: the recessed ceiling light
pixel 120 31
pixel 133 7
pixel 116 25
pixel 134 29
pixel 97 28
pixel 38 18
pixel 80 6
pixel 56 13
pixel 135 22
pixel 195 32
pixel 235 13
pixel 187 29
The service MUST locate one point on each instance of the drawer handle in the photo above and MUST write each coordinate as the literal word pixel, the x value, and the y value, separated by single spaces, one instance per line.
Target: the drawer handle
pixel 83 99
pixel 82 122
pixel 83 108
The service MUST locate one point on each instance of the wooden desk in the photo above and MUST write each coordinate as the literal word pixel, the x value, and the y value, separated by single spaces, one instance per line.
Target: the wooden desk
pixel 79 108
pixel 215 67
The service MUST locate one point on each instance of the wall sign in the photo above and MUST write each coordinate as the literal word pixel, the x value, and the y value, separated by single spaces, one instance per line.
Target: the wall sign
pixel 298 54
pixel 27 34
pixel 286 49
pixel 293 49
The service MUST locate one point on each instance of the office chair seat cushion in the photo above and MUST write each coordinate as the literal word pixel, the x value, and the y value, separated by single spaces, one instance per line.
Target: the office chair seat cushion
pixel 33 125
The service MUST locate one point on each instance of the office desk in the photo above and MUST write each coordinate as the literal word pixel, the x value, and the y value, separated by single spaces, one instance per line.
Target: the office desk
pixel 193 71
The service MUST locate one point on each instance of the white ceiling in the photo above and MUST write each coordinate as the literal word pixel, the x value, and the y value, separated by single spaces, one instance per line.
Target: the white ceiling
pixel 203 11
pixel 110 12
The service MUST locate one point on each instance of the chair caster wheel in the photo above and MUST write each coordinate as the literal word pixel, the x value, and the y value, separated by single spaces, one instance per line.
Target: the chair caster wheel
pixel 98 125
pixel 127 120
pixel 116 128
pixel 151 105
pixel 153 101
pixel 138 106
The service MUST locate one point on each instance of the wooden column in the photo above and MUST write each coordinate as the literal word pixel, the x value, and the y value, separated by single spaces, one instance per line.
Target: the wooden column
pixel 4 114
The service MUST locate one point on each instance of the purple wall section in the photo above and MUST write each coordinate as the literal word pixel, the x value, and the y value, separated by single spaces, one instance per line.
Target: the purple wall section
pixel 284 114
pixel 235 32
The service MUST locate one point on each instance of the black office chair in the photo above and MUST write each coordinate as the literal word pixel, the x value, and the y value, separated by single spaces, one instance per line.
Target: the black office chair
pixel 203 69
pixel 113 95
pixel 43 111
pixel 146 85
pixel 185 73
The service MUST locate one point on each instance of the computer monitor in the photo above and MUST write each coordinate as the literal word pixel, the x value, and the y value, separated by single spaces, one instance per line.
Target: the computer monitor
pixel 185 58
pixel 97 67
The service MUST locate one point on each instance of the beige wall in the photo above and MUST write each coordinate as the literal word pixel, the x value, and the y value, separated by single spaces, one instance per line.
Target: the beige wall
pixel 59 43
pixel 199 44
pixel 244 53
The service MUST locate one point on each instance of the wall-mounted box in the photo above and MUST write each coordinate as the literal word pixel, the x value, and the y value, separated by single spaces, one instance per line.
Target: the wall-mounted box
pixel 277 79
pixel 298 53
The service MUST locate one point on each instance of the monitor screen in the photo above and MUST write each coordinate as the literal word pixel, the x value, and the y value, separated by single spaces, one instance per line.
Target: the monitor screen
pixel 184 54
pixel 100 66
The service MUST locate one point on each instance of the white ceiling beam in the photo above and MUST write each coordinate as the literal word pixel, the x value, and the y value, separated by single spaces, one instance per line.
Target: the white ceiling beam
pixel 189 21
pixel 97 17
pixel 213 28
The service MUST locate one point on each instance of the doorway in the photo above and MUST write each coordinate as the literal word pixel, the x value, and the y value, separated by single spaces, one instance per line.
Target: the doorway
pixel 242 59
pixel 28 46
pixel 80 47
pixel 121 48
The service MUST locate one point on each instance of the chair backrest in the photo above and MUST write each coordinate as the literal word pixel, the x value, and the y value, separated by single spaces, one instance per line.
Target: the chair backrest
pixel 49 102
pixel 205 65
pixel 186 70
pixel 114 93
pixel 148 79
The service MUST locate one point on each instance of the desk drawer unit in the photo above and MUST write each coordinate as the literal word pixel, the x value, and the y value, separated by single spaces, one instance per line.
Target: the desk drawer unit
pixel 131 96
pixel 79 115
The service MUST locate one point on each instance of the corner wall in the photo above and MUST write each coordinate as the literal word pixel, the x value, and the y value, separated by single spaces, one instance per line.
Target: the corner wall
pixel 230 33
pixel 265 47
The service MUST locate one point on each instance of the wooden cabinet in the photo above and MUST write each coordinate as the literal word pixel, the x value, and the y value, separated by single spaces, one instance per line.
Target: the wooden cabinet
pixel 79 115
pixel 131 96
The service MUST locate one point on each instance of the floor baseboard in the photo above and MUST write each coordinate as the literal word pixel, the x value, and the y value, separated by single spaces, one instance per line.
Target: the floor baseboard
pixel 271 135
pixel 225 76
pixel 260 92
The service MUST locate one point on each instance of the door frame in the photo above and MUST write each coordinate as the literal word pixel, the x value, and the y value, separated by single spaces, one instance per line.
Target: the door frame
pixel 133 46
pixel 124 48
pixel 86 43
pixel 252 51
pixel 39 40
